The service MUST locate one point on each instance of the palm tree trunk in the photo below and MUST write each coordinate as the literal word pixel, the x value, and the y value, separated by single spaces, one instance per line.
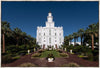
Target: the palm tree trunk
pixel 17 42
pixel 92 42
pixel 70 42
pixel 81 41
pixel 74 41
pixel 3 43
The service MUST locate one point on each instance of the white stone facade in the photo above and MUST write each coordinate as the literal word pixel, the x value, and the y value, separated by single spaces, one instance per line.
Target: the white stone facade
pixel 50 35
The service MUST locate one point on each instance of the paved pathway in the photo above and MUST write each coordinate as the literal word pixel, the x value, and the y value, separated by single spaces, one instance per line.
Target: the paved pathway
pixel 42 62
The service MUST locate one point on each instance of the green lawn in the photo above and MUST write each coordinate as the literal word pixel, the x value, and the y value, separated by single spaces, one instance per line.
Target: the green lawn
pixel 45 54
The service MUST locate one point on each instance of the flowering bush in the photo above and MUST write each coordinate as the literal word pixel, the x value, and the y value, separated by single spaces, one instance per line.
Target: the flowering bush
pixel 50 56
pixel 36 55
pixel 41 50
pixel 64 54
pixel 60 51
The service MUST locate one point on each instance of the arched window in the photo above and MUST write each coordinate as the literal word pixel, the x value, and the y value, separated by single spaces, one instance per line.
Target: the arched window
pixel 44 34
pixel 55 34
pixel 49 32
pixel 59 40
pixel 60 34
pixel 39 33
pixel 49 40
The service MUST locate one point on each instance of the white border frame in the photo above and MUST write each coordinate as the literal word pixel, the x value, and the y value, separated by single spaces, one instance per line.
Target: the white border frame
pixel 49 0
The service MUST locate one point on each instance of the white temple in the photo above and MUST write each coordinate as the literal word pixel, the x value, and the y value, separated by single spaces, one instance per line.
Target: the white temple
pixel 50 35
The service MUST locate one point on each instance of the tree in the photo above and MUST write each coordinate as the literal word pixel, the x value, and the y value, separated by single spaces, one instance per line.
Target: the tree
pixel 81 32
pixel 97 30
pixel 17 34
pixel 91 30
pixel 66 41
pixel 23 36
pixel 5 28
pixel 75 35
pixel 70 38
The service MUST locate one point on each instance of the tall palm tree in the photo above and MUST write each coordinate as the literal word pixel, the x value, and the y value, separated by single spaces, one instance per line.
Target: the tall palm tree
pixel 29 39
pixel 81 32
pixel 97 30
pixel 75 37
pixel 17 34
pixel 70 38
pixel 23 36
pixel 66 40
pixel 91 30
pixel 5 28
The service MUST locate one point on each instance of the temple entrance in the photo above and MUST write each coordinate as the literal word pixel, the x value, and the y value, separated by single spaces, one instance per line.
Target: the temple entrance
pixel 43 46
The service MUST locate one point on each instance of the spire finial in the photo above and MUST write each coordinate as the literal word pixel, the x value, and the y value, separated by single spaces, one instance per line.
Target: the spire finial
pixel 49 10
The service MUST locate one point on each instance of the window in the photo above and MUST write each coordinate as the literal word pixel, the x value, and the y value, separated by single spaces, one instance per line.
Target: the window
pixel 39 40
pixel 60 40
pixel 39 33
pixel 49 40
pixel 49 32
pixel 55 34
pixel 60 34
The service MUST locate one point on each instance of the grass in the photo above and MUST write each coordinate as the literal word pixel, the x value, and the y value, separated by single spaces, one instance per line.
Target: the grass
pixel 64 55
pixel 72 53
pixel 16 57
pixel 80 56
pixel 36 55
pixel 45 53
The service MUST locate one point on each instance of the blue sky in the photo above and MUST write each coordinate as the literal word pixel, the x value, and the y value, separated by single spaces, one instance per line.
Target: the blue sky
pixel 71 15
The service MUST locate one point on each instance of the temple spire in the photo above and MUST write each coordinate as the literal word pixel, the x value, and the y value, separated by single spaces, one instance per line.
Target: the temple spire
pixel 49 22
pixel 50 17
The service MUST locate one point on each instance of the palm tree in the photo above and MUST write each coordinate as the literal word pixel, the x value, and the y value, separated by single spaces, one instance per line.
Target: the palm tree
pixel 5 27
pixel 17 34
pixel 81 32
pixel 23 35
pixel 70 37
pixel 66 42
pixel 97 30
pixel 91 30
pixel 75 35
pixel 34 40
pixel 30 40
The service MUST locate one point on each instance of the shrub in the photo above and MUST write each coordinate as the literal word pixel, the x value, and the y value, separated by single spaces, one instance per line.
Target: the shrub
pixel 96 58
pixel 36 55
pixel 80 56
pixel 90 56
pixel 50 56
pixel 70 65
pixel 27 65
pixel 60 51
pixel 41 50
pixel 7 59
pixel 64 54
pixel 17 57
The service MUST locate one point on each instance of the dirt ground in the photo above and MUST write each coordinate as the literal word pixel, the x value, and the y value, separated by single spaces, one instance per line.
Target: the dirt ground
pixel 42 62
